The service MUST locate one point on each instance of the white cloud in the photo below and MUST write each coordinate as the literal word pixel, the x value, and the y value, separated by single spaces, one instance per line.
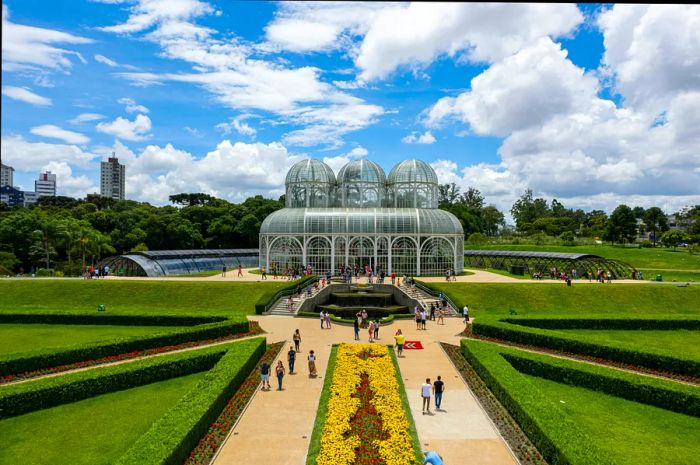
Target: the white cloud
pixel 339 161
pixel 55 132
pixel 28 47
pixel 132 106
pixel 129 130
pixel 33 156
pixel 25 95
pixel 418 138
pixel 239 125
pixel 68 184
pixel 86 117
pixel 652 51
pixel 106 61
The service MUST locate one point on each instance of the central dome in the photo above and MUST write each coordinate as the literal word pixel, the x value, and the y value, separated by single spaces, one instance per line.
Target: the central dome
pixel 310 184
pixel 361 184
pixel 412 171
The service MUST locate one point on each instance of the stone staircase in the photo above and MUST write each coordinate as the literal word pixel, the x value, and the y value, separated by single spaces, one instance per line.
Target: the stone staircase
pixel 281 307
pixel 425 299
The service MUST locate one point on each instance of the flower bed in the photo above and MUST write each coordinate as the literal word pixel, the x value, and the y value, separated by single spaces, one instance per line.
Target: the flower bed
pixel 366 422
pixel 254 329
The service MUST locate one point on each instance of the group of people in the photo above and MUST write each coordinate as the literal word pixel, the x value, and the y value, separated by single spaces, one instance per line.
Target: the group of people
pixel 450 275
pixel 280 371
pixel 325 320
pixel 363 321
pixel 93 272
pixel 436 388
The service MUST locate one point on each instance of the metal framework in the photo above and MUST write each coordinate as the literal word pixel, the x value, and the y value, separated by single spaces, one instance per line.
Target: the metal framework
pixel 389 225
pixel 545 262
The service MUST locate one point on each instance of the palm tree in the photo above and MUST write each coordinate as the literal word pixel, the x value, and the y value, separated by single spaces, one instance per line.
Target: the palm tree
pixel 50 232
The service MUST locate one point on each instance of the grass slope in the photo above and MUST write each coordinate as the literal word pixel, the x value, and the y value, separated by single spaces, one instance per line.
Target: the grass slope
pixel 94 431
pixel 15 338
pixel 133 297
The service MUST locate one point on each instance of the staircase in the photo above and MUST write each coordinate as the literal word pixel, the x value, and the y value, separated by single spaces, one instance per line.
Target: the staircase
pixel 280 306
pixel 425 299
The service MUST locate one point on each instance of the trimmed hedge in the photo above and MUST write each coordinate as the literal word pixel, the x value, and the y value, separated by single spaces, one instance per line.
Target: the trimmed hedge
pixel 659 393
pixel 267 297
pixel 667 323
pixel 386 319
pixel 559 439
pixel 171 439
pixel 12 364
pixel 540 338
pixel 106 319
pixel 27 397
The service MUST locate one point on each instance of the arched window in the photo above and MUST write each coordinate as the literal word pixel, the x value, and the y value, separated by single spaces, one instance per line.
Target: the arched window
pixel 318 254
pixel 404 256
pixel 285 252
pixel 436 256
pixel 361 252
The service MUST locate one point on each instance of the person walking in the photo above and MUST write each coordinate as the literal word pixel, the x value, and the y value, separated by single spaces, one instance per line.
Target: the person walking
pixel 291 358
pixel 264 274
pixel 370 330
pixel 322 317
pixel 297 340
pixel 328 320
pixel 356 327
pixel 400 341
pixel 432 311
pixel 376 329
pixel 423 317
pixel 425 389
pixel 279 370
pixel 393 278
pixel 465 313
pixel 223 272
pixel 417 316
pixel 312 364
pixel 438 389
pixel 441 317
pixel 240 271
pixel 265 375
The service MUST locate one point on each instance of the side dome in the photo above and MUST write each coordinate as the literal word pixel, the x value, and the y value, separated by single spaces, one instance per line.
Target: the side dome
pixel 361 184
pixel 412 184
pixel 310 184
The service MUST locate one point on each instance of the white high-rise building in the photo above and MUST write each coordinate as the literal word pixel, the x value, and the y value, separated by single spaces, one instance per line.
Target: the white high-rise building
pixel 6 175
pixel 46 185
pixel 112 177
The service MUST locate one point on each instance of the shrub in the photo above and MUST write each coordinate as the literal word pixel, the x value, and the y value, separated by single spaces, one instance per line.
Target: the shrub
pixel 171 439
pixel 477 239
pixel 646 244
pixel 268 297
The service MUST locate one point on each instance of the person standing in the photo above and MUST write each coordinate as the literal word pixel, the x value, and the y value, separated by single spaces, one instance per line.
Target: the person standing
pixel 400 341
pixel 438 389
pixel 356 326
pixel 328 320
pixel 465 313
pixel 280 374
pixel 291 358
pixel 416 311
pixel 370 330
pixel 312 364
pixel 322 317
pixel 423 317
pixel 240 270
pixel 264 274
pixel 432 311
pixel 393 278
pixel 425 389
pixel 441 316
pixel 265 375
pixel 223 272
pixel 376 329
pixel 297 340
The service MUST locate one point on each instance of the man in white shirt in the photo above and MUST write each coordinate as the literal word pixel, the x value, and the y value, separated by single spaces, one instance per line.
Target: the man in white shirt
pixel 465 312
pixel 425 390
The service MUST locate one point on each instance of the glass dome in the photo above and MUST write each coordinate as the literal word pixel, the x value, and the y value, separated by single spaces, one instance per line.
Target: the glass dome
pixel 310 184
pixel 412 184
pixel 361 184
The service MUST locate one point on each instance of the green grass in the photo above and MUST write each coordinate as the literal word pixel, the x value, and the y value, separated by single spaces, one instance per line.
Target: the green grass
pixel 199 274
pixel 133 297
pixel 630 432
pixel 93 431
pixel 15 338
pixel 676 343
pixel 557 298
pixel 652 259
pixel 670 275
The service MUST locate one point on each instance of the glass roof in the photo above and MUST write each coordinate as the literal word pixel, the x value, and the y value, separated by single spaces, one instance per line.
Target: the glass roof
pixel 311 170
pixel 520 253
pixel 412 171
pixel 361 171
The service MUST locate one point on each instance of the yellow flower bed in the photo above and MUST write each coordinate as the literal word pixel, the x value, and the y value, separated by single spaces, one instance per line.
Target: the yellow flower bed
pixel 336 448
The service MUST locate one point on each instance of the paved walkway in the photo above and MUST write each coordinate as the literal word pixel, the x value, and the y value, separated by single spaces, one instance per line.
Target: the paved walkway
pixel 277 426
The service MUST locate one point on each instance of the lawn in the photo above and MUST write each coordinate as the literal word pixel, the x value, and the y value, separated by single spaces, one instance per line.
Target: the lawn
pixel 557 298
pixel 22 338
pixel 94 431
pixel 629 432
pixel 649 259
pixel 133 297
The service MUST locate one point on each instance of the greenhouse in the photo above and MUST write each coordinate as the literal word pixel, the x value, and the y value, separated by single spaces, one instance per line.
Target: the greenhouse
pixel 179 262
pixel 362 218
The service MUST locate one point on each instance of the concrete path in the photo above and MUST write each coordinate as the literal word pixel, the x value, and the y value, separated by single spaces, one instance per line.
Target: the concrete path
pixel 276 428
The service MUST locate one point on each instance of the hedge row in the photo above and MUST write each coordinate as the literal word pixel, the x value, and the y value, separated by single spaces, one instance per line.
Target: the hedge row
pixel 12 364
pixel 106 319
pixel 266 298
pixel 171 438
pixel 540 338
pixel 608 323
pixel 385 320
pixel 659 393
pixel 27 397
pixel 557 437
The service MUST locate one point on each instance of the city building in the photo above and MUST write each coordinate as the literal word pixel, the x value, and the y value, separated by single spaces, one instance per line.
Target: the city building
pixel 362 219
pixel 6 175
pixel 112 178
pixel 11 196
pixel 45 186
pixel 30 198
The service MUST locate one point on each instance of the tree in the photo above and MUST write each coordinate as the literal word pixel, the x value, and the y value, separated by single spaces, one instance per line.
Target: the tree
pixel 621 226
pixel 527 209
pixel 492 219
pixel 448 194
pixel 472 198
pixel 8 261
pixel 50 231
pixel 672 238
pixel 638 212
pixel 655 219
pixel 191 200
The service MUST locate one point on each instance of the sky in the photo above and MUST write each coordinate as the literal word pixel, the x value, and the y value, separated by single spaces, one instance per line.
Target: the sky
pixel 594 105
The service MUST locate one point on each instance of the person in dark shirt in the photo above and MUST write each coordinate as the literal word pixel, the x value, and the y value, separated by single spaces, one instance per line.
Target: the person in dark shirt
pixel 265 375
pixel 291 358
pixel 438 389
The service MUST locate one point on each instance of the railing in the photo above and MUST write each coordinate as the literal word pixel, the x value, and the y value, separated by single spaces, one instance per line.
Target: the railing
pixel 288 292
pixel 433 293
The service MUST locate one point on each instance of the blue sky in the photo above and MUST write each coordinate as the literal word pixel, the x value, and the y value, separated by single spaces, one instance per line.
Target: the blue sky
pixel 591 104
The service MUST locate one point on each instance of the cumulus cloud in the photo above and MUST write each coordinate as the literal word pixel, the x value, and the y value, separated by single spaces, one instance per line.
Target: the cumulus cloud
pixel 67 183
pixel 239 125
pixel 28 47
pixel 55 132
pixel 418 138
pixel 339 161
pixel 131 106
pixel 25 95
pixel 123 128
pixel 33 156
